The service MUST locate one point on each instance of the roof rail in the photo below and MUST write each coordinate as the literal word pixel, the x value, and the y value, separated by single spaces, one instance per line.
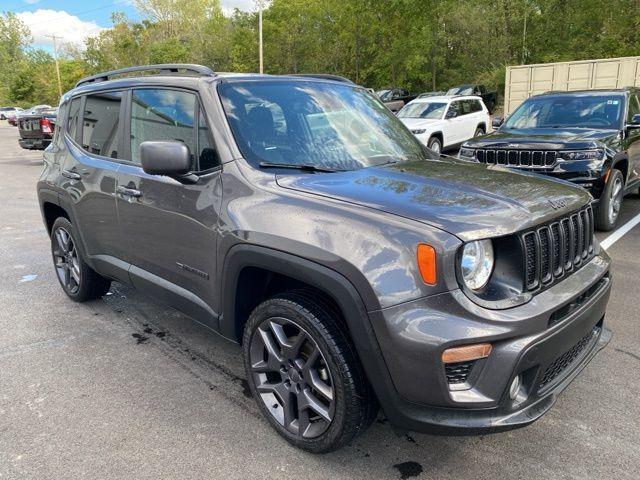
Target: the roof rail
pixel 324 76
pixel 163 68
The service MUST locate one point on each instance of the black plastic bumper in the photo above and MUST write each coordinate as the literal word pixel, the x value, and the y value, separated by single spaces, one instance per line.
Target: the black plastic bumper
pixel 524 344
pixel 34 143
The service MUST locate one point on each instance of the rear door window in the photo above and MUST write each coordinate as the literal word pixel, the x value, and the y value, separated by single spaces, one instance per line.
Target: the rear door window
pixel 100 124
pixel 163 114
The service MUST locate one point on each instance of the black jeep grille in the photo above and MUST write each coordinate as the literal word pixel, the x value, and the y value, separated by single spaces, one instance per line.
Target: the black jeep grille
pixel 554 250
pixel 458 372
pixel 565 360
pixel 533 159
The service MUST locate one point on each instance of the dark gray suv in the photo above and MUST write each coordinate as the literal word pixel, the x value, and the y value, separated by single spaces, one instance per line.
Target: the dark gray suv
pixel 298 217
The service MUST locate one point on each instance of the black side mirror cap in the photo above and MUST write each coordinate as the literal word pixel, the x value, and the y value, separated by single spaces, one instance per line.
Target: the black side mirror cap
pixel 635 120
pixel 165 158
pixel 497 121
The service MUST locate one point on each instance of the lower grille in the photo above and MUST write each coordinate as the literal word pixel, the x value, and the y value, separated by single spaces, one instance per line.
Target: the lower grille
pixel 563 362
pixel 458 372
pixel 563 312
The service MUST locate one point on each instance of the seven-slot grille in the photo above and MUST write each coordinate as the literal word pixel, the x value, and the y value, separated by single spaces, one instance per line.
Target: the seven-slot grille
pixel 517 158
pixel 554 250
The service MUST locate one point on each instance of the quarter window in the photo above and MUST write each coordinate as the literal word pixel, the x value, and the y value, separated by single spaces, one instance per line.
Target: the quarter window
pixel 100 124
pixel 74 113
pixel 160 114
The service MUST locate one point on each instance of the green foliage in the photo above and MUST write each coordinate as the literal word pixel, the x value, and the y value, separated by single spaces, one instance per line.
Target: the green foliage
pixel 419 44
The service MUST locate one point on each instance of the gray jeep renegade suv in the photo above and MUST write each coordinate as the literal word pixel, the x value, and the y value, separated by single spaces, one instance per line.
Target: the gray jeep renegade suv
pixel 298 217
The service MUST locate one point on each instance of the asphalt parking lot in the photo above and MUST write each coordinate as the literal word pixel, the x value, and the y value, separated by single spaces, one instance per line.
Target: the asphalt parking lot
pixel 124 389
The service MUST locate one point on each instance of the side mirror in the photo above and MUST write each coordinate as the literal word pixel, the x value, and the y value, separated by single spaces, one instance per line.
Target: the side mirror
pixel 451 114
pixel 497 121
pixel 635 120
pixel 165 158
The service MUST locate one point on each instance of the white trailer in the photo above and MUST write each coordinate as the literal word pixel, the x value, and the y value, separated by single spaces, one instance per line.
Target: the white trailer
pixel 523 81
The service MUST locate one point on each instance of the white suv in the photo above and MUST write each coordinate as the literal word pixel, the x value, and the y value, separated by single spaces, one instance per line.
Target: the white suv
pixel 446 121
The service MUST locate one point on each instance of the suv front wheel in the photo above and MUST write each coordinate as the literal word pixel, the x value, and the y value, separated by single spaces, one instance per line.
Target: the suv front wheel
pixel 304 373
pixel 610 202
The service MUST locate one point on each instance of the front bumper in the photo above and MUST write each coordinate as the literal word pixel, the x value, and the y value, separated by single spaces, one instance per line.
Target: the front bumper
pixel 413 336
pixel 34 143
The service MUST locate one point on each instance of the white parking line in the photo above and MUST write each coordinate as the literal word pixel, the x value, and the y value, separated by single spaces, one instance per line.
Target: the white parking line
pixel 619 233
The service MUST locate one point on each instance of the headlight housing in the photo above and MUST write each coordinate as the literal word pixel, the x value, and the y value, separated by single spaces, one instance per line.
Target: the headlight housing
pixel 596 154
pixel 467 153
pixel 476 263
pixel 419 131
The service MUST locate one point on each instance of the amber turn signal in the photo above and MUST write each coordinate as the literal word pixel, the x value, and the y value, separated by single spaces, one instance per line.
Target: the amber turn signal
pixel 427 263
pixel 466 353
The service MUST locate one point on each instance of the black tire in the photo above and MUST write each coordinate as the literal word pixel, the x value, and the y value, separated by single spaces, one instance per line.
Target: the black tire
pixel 479 131
pixel 79 281
pixel 334 380
pixel 435 144
pixel 608 211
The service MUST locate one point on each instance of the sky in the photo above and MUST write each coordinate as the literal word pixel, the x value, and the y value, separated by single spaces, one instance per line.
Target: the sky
pixel 75 20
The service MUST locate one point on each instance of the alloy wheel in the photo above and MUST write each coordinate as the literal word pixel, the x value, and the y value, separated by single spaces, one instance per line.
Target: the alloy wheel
pixel 66 261
pixel 292 377
pixel 435 147
pixel 616 200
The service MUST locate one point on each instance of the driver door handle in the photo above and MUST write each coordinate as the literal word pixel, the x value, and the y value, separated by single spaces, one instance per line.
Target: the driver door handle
pixel 128 192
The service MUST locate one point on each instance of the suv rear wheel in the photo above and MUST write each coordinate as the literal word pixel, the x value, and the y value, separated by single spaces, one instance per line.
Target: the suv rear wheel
pixel 77 279
pixel 610 202
pixel 304 373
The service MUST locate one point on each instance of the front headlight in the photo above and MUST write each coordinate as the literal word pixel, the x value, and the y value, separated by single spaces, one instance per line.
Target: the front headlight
pixel 467 153
pixel 476 263
pixel 597 154
pixel 419 131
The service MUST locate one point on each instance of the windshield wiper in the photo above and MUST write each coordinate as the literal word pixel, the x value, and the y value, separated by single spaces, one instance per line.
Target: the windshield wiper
pixel 297 166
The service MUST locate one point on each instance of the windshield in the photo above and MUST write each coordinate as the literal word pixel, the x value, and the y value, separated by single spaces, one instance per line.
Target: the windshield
pixel 325 125
pixel 602 111
pixel 432 110
pixel 460 91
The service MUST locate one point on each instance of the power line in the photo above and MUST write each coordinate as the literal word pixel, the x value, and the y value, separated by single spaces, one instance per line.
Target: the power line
pixel 76 14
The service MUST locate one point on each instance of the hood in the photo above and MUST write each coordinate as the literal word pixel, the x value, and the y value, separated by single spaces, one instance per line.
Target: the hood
pixel 545 138
pixel 469 200
pixel 426 123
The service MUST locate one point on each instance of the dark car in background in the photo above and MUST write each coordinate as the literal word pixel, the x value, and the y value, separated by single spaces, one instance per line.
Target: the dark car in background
pixel 490 98
pixel 395 98
pixel 591 138
pixel 37 129
pixel 6 112
pixel 300 218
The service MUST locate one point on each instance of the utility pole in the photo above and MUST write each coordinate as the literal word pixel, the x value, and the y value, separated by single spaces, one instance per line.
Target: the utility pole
pixel 260 7
pixel 55 56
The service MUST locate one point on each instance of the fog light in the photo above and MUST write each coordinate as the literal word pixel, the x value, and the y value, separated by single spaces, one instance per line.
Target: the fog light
pixel 515 387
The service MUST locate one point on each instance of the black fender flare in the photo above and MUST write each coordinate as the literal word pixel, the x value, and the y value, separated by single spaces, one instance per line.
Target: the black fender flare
pixel 617 159
pixel 334 284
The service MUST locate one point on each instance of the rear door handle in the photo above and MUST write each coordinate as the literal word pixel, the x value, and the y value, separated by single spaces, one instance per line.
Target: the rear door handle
pixel 70 175
pixel 129 192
